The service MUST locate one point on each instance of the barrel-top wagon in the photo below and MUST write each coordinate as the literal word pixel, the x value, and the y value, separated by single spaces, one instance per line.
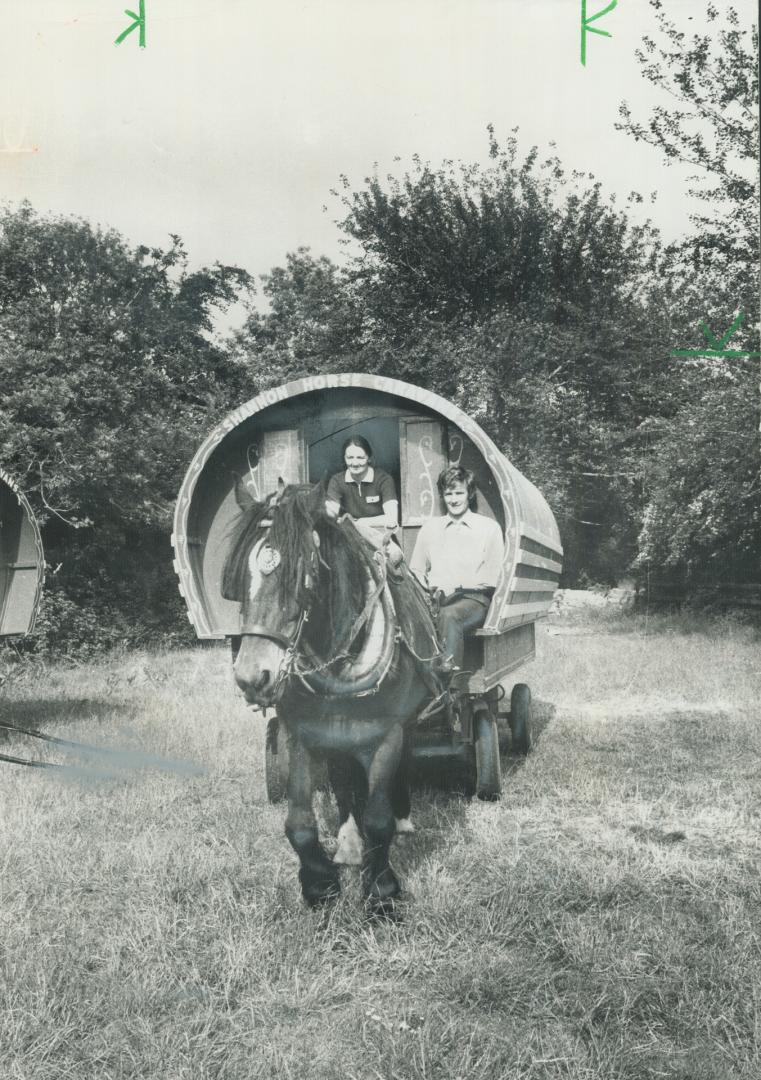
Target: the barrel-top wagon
pixel 296 432
pixel 22 563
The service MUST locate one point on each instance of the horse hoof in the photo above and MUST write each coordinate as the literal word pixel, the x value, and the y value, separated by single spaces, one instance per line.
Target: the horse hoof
pixel 404 827
pixel 317 898
pixel 386 908
pixel 382 894
pixel 321 891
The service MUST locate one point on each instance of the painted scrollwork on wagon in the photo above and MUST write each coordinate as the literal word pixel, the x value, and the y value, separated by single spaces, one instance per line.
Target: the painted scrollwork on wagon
pixel 427 491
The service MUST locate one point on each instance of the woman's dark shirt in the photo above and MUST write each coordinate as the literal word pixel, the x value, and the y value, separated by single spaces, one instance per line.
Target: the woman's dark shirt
pixel 363 499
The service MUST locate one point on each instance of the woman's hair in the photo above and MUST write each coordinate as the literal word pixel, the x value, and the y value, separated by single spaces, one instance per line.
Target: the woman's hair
pixel 362 443
pixel 456 474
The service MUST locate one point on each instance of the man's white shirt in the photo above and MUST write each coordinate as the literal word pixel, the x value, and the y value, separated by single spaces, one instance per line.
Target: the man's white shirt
pixel 459 553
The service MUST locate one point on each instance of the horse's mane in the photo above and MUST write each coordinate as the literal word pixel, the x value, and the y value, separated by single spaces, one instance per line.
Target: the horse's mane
pixel 338 566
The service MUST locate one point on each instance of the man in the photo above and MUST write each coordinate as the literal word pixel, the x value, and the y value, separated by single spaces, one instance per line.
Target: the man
pixel 460 556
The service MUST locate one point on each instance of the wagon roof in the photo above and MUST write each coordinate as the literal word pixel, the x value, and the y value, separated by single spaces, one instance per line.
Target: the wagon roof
pixel 529 522
pixel 22 560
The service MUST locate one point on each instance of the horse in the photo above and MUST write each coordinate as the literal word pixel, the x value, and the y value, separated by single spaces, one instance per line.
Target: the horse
pixel 343 649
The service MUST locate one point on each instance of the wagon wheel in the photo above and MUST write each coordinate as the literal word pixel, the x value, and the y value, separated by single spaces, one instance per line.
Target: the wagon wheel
pixel 520 718
pixel 276 761
pixel 486 743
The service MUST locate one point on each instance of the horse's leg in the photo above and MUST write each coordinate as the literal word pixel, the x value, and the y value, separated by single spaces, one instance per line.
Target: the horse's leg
pixel 380 883
pixel 318 875
pixel 349 783
pixel 400 794
pixel 342 773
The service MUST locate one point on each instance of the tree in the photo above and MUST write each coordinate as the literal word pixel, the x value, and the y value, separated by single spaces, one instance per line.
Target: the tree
pixel 712 124
pixel 701 476
pixel 110 377
pixel 454 244
pixel 312 323
pixel 520 293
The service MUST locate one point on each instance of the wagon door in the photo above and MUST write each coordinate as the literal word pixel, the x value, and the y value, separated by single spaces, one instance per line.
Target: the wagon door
pixel 422 456
pixel 276 455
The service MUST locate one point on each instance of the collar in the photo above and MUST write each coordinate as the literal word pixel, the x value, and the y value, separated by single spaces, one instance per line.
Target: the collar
pixel 366 479
pixel 466 519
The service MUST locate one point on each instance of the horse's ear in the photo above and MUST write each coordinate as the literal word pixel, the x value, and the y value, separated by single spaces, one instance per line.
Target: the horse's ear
pixel 276 496
pixel 244 496
pixel 317 496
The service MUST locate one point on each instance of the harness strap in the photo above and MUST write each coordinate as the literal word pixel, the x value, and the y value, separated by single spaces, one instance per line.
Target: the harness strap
pixel 342 652
pixel 31 764
pixel 258 630
pixel 33 733
pixel 361 621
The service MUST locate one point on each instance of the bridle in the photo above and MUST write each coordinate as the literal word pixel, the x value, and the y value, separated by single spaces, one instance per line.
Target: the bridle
pixel 300 662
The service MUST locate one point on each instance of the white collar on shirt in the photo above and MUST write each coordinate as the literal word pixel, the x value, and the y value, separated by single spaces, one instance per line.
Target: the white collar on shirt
pixel 366 479
pixel 465 519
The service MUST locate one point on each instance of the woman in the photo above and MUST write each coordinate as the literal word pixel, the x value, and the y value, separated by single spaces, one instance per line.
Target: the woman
pixel 367 494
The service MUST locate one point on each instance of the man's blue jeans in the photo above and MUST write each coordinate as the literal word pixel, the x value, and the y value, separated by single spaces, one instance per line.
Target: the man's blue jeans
pixel 457 618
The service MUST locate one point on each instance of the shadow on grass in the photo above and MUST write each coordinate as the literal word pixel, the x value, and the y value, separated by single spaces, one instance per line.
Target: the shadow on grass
pixel 39 713
pixel 542 715
pixel 32 733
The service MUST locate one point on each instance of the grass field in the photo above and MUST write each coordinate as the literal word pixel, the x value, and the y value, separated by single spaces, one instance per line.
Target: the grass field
pixel 603 921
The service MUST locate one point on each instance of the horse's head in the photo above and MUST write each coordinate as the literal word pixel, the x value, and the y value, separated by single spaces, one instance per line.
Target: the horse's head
pixel 271 568
pixel 303 582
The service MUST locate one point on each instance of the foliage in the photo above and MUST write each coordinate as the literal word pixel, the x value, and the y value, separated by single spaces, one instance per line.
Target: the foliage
pixel 701 479
pixel 456 243
pixel 312 323
pixel 515 290
pixel 111 376
pixel 712 79
pixel 703 513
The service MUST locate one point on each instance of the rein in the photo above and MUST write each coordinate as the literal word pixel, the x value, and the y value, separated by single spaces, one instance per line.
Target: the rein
pixel 341 652
pixel 301 663
pixel 119 757
pixel 34 734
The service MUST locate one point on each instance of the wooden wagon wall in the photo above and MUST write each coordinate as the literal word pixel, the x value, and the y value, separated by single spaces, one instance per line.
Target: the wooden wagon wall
pixel 21 561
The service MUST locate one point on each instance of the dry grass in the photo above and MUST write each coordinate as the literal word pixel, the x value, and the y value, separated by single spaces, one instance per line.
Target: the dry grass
pixel 601 922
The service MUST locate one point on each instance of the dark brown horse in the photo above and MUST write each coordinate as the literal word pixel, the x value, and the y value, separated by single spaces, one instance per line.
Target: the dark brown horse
pixel 343 653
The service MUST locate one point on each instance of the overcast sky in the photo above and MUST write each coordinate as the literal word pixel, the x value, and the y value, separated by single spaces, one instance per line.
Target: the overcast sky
pixel 235 121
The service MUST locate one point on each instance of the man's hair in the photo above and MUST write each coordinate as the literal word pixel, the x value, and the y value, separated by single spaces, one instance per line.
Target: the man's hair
pixel 456 474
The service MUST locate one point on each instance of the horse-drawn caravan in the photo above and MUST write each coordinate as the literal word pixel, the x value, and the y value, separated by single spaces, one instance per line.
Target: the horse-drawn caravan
pixel 22 563
pixel 338 641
